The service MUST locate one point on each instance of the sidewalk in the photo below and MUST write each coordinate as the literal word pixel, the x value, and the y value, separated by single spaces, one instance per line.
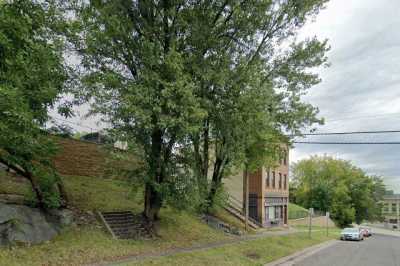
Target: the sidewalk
pixel 384 231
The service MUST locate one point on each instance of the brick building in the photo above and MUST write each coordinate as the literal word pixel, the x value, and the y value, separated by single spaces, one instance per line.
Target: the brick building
pixel 391 209
pixel 269 194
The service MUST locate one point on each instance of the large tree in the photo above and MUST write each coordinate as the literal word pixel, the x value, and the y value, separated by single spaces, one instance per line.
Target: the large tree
pixel 337 186
pixel 179 78
pixel 135 72
pixel 32 77
pixel 250 72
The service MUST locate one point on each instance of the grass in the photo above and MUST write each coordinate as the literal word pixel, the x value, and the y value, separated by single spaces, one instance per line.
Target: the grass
pixel 84 193
pixel 88 244
pixel 296 211
pixel 254 252
pixel 226 217
pixel 316 228
pixel 87 193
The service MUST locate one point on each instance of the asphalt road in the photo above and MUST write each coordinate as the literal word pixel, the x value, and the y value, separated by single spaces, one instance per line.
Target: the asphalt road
pixel 378 250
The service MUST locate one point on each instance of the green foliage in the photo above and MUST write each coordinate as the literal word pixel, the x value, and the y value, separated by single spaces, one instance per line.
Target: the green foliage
pixel 32 77
pixel 250 82
pixel 339 187
pixel 297 212
pixel 180 78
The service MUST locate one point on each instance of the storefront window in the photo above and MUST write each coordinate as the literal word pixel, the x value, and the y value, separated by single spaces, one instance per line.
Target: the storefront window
pixel 271 213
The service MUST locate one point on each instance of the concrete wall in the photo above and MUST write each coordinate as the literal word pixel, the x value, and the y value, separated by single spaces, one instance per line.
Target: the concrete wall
pixel 234 185
pixel 316 221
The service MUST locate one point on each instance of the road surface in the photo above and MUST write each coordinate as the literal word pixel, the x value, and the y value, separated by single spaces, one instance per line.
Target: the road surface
pixel 378 250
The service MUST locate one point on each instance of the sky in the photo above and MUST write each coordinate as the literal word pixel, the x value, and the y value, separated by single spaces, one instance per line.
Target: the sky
pixel 360 91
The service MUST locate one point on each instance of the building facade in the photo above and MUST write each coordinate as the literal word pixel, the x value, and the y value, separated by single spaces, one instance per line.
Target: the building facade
pixel 391 209
pixel 269 194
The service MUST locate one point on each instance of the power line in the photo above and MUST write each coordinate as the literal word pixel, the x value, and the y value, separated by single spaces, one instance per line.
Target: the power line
pixel 351 133
pixel 347 143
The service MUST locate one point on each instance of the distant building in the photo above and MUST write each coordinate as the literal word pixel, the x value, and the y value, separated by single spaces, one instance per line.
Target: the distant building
pixel 102 138
pixel 269 194
pixel 96 137
pixel 391 208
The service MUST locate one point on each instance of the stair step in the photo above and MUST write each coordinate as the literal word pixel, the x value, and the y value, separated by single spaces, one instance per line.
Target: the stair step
pixel 123 228
pixel 117 212
pixel 111 215
pixel 122 224
pixel 122 220
pixel 242 218
pixel 131 221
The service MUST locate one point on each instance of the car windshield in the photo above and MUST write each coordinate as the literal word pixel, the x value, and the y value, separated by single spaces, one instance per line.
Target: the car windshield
pixel 350 230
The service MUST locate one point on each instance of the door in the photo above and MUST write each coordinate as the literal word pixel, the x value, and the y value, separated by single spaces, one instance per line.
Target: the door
pixel 253 206
pixel 285 214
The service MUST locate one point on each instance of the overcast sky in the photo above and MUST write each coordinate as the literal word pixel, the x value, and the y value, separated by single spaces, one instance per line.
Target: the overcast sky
pixel 361 89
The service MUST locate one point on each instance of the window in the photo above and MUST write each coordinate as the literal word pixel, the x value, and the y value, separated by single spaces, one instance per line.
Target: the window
pixel 267 181
pixel 280 181
pixel 386 207
pixel 285 181
pixel 273 179
pixel 394 207
pixel 271 213
pixel 285 158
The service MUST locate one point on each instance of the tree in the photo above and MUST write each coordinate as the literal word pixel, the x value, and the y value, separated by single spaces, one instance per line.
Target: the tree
pixel 135 71
pixel 242 63
pixel 32 76
pixel 339 187
pixel 176 78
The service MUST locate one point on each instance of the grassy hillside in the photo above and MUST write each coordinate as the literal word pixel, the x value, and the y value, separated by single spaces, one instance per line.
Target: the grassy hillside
pixel 296 211
pixel 90 243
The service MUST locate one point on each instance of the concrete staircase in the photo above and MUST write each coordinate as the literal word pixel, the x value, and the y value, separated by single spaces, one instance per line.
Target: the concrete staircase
pixel 235 209
pixel 121 224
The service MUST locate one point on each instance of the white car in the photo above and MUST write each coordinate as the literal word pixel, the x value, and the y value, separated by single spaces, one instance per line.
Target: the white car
pixel 352 234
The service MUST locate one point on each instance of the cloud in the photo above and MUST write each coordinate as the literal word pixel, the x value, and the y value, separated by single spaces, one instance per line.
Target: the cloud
pixel 361 90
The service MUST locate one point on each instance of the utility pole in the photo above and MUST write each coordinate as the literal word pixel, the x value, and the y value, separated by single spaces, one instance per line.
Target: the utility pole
pixel 398 213
pixel 311 212
pixel 246 177
pixel 327 223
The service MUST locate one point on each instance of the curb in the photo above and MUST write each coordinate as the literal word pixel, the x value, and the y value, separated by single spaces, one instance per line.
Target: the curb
pixel 302 254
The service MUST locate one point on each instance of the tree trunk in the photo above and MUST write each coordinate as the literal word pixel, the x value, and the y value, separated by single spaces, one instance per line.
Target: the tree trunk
pixel 63 193
pixel 152 197
pixel 215 182
pixel 205 149
pixel 35 186
pixel 152 206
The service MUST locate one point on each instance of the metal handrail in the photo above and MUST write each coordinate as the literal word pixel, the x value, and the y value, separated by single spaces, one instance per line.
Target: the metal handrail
pixel 236 204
